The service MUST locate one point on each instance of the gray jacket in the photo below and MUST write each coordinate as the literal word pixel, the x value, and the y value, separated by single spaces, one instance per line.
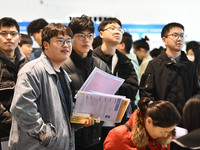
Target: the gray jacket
pixel 37 108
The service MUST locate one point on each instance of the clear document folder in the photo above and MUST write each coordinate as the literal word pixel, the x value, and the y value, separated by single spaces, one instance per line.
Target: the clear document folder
pixel 105 106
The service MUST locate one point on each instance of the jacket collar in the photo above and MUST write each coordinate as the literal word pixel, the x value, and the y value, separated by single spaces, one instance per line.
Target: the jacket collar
pixel 19 55
pixel 168 61
pixel 79 61
pixel 49 67
pixel 122 58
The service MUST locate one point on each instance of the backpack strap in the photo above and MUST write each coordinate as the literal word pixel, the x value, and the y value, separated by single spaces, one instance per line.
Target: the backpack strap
pixel 127 125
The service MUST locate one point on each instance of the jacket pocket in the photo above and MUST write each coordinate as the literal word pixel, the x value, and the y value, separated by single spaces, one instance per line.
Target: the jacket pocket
pixel 50 138
pixel 147 82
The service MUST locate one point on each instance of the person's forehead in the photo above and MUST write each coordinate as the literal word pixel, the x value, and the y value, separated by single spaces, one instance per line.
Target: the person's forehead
pixel 87 31
pixel 115 24
pixel 6 28
pixel 166 129
pixel 65 36
pixel 176 29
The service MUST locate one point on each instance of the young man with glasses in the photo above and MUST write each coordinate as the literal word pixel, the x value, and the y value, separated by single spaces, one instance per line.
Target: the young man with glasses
pixel 42 102
pixel 79 66
pixel 11 60
pixel 111 33
pixel 171 76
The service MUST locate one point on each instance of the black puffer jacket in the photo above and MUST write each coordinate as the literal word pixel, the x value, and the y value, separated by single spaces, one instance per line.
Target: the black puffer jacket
pixel 166 80
pixel 79 69
pixel 8 77
pixel 123 69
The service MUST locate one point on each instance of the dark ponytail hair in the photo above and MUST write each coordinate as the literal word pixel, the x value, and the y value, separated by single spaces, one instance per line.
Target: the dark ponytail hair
pixel 163 113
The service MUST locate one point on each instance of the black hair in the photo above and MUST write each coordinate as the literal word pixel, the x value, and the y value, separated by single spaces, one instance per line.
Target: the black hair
pixel 25 39
pixel 79 24
pixel 169 26
pixel 191 45
pixel 141 44
pixel 97 42
pixel 156 51
pixel 36 25
pixel 53 30
pixel 9 22
pixel 127 40
pixel 196 51
pixel 108 21
pixel 191 113
pixel 145 38
pixel 163 113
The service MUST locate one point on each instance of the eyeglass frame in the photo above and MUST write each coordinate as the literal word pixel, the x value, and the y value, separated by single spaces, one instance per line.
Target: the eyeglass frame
pixel 113 28
pixel 67 41
pixel 83 36
pixel 182 36
pixel 12 33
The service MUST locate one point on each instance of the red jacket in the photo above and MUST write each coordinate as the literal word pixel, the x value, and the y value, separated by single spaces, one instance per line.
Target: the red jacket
pixel 119 138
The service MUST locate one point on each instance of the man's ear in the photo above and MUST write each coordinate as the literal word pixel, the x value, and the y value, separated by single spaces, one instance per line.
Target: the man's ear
pixel 164 39
pixel 46 45
pixel 101 34
pixel 19 38
pixel 123 46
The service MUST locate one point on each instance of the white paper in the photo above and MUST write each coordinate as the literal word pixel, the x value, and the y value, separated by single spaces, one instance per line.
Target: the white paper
pixel 103 82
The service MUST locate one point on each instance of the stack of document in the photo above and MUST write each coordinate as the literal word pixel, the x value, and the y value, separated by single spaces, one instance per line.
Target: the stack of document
pixel 97 96
pixel 105 106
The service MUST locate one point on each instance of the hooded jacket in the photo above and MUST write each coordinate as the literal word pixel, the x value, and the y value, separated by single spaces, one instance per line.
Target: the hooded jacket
pixel 8 77
pixel 121 138
pixel 38 108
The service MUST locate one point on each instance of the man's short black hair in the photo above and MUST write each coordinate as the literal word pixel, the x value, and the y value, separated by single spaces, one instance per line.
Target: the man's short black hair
pixel 25 39
pixel 97 42
pixel 169 26
pixel 108 21
pixel 79 24
pixel 36 25
pixel 9 22
pixel 127 40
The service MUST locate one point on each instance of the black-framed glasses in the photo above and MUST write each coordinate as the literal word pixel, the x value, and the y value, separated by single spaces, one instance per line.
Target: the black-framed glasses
pixel 61 42
pixel 176 36
pixel 12 33
pixel 113 28
pixel 82 37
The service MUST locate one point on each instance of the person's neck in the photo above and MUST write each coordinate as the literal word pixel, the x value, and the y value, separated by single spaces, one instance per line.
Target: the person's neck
pixel 10 54
pixel 108 49
pixel 83 55
pixel 56 66
pixel 173 53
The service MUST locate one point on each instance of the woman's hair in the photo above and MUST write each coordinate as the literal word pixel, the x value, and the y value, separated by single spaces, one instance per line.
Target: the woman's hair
pixel 195 47
pixel 191 113
pixel 163 113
